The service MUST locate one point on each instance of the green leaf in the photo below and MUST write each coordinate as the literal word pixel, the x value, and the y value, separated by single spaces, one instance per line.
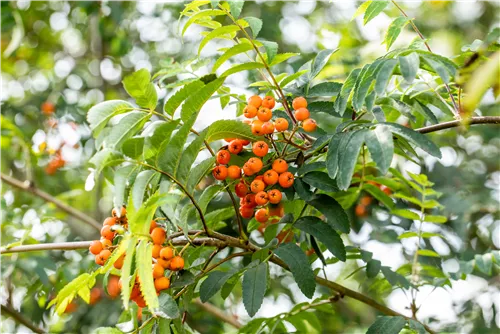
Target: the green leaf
pixel 332 157
pixel 139 222
pixel 394 278
pixel 299 265
pixel 195 102
pixel 142 181
pixel 361 9
pixel 426 112
pixel 160 136
pixel 427 252
pixel 104 158
pixel 379 195
pixel 188 157
pixel 416 138
pixel 198 172
pixel 381 146
pixel 324 233
pixel 107 330
pixel 242 67
pixel 416 326
pixel 230 129
pixel 372 268
pixel 271 50
pixel 120 182
pixel 335 215
pixel 373 9
pixel 126 271
pixel 409 66
pixel 394 30
pixel 386 324
pixel 70 290
pixel 302 189
pixel 325 89
pixel 182 94
pixel 254 288
pixel 221 32
pixel 139 86
pixel 484 263
pixel 363 83
pixel 143 257
pixel 406 214
pixel 281 57
pixel 212 284
pixel 384 74
pixel 348 159
pixel 341 101
pixel 231 52
pixel 320 180
pixel 133 147
pixel 407 235
pixel 200 15
pixel 127 127
pixel 435 219
pixel 255 25
pixel 320 61
pixel 100 114
pixel 168 307
pixel 236 6
pixel 440 69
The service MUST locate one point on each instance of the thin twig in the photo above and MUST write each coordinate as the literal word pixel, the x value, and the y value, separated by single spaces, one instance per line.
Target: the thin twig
pixel 218 313
pixel 29 187
pixel 19 318
pixel 453 124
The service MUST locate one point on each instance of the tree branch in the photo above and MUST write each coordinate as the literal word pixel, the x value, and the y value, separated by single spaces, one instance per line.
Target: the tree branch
pixel 218 313
pixel 453 124
pixel 19 318
pixel 27 186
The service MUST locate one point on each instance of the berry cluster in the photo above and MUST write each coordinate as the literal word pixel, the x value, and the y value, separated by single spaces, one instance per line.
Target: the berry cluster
pixel 259 188
pixel 164 257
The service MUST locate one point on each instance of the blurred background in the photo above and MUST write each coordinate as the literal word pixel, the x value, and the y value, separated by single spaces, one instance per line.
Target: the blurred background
pixel 59 58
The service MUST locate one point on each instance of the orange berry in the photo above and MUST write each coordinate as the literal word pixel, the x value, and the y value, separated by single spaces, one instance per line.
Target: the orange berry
pixel 386 189
pixel 220 172
pixel 158 270
pixel 257 186
pixel 105 243
pixel 48 108
pixel 95 295
pixel 229 139
pixel 102 257
pixel 223 157
pixel 268 128
pixel 236 146
pixel 136 291
pixel 95 247
pixel 158 235
pixel 241 189
pixel 281 124
pixel 156 251
pixel 268 102
pixel 255 164
pixel 246 211
pixel 107 233
pixel 299 102
pixel 167 253
pixel 360 210
pixel 271 177
pixel 301 114
pixel 260 148
pixel 247 170
pixel 249 200
pixel 255 101
pixel 244 142
pixel 177 263
pixel 264 114
pixel 234 172
pixel 262 215
pixel 280 166
pixel 276 210
pixel 119 262
pixel 366 200
pixel 257 127
pixel 286 180
pixel 309 125
pixel 164 263
pixel 250 111
pixel 110 221
pixel 139 300
pixel 274 196
pixel 123 212
pixel 152 226
pixel 284 234
pixel 261 198
pixel 162 283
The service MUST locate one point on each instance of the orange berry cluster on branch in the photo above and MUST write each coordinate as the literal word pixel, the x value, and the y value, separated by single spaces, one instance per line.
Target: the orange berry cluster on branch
pixel 164 257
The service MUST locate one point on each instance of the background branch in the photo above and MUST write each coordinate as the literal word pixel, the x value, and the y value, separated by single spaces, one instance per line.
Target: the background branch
pixel 28 187
pixel 453 124
pixel 218 313
pixel 8 311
